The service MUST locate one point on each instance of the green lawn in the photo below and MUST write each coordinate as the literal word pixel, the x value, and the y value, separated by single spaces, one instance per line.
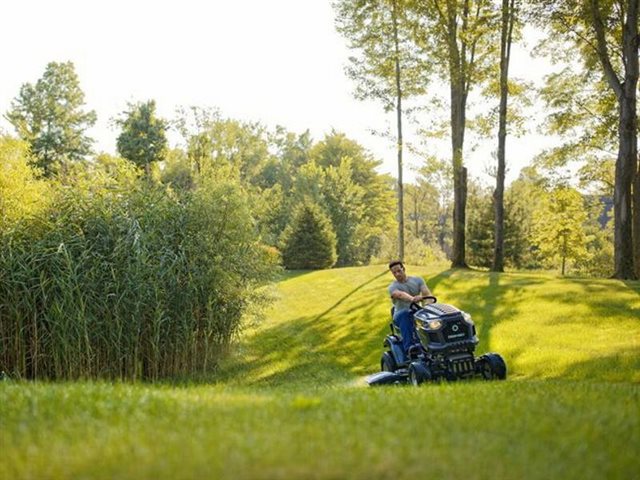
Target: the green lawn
pixel 291 402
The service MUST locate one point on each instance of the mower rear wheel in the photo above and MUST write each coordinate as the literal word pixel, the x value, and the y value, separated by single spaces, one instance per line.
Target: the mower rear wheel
pixel 419 373
pixel 388 363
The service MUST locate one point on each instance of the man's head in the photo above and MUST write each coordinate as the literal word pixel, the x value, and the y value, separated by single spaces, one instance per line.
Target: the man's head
pixel 397 269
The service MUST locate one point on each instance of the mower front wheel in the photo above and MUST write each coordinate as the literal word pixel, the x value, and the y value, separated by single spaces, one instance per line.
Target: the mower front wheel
pixel 491 366
pixel 418 373
pixel 388 363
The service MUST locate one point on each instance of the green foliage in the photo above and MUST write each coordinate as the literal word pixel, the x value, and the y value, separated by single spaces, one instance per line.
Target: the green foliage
pixel 143 138
pixel 281 169
pixel 558 230
pixel 177 171
pixel 359 201
pixel 370 29
pixel 123 280
pixel 214 143
pixel 309 242
pixel 480 226
pixel 436 174
pixel 50 118
pixel 598 260
pixel 417 251
pixel 522 199
pixel 22 194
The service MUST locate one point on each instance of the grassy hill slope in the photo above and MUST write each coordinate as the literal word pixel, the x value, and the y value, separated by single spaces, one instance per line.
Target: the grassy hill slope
pixel 328 326
pixel 292 402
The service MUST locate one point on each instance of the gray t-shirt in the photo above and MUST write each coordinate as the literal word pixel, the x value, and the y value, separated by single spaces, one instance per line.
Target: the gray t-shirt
pixel 413 286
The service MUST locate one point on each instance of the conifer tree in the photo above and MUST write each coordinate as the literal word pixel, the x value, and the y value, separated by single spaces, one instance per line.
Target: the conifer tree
pixel 309 242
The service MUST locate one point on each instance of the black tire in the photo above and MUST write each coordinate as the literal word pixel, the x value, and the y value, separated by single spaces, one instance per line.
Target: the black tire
pixel 388 363
pixel 492 367
pixel 418 373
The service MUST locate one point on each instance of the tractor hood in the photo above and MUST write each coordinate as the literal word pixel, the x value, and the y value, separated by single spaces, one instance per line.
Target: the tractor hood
pixel 437 310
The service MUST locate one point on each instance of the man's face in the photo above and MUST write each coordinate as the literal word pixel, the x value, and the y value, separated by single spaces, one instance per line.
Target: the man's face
pixel 398 272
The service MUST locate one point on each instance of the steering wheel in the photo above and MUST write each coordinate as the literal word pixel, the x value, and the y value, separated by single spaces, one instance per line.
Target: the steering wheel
pixel 415 306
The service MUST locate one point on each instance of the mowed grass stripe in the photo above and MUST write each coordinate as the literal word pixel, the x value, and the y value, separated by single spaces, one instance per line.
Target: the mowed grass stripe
pixel 525 429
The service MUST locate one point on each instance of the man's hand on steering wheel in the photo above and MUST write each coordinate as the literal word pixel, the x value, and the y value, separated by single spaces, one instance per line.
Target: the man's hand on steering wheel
pixel 415 305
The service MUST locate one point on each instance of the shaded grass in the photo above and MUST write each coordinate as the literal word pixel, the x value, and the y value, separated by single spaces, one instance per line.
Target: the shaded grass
pixel 292 403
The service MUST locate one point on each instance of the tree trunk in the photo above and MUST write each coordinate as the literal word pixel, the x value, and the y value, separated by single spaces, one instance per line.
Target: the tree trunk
pixel 458 90
pixel 459 178
pixel 636 219
pixel 399 142
pixel 625 172
pixel 459 218
pixel 415 212
pixel 626 162
pixel 508 18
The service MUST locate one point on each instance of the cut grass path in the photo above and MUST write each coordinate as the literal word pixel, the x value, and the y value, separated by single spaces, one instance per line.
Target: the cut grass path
pixel 291 402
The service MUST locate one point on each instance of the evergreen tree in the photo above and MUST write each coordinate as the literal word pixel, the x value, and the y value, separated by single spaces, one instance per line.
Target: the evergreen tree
pixel 309 242
pixel 480 232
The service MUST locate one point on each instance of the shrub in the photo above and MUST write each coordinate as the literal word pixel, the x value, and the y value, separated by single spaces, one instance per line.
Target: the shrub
pixel 22 194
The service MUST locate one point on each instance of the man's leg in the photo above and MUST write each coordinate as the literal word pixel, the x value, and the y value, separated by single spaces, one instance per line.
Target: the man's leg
pixel 404 320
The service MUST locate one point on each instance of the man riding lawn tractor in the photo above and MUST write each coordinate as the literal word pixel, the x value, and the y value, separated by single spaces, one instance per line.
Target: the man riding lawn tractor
pixel 436 341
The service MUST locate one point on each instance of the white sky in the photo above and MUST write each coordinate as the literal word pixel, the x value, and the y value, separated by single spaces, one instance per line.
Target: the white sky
pixel 279 62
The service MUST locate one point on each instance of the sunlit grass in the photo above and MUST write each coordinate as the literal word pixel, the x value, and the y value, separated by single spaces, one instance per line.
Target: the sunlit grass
pixel 474 430
pixel 292 402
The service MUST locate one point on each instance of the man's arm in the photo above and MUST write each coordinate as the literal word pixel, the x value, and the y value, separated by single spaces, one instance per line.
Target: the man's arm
pixel 400 295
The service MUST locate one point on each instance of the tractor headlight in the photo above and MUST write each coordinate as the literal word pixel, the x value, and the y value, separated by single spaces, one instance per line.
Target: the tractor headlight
pixel 434 324
pixel 467 318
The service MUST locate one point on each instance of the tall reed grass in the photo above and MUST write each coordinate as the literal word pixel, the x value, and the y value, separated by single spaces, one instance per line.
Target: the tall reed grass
pixel 124 280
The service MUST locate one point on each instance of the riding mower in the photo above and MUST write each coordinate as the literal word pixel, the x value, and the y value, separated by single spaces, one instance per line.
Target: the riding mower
pixel 444 350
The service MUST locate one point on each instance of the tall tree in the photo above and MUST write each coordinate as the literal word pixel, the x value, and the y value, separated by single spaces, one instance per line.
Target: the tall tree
pixel 457 36
pixel 508 19
pixel 49 116
pixel 143 138
pixel 625 88
pixel 386 68
pixel 606 35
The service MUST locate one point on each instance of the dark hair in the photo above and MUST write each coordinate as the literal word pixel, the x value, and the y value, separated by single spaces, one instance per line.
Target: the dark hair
pixel 396 262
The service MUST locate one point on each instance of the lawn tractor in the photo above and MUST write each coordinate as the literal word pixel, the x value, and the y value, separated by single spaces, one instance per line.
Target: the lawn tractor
pixel 444 349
